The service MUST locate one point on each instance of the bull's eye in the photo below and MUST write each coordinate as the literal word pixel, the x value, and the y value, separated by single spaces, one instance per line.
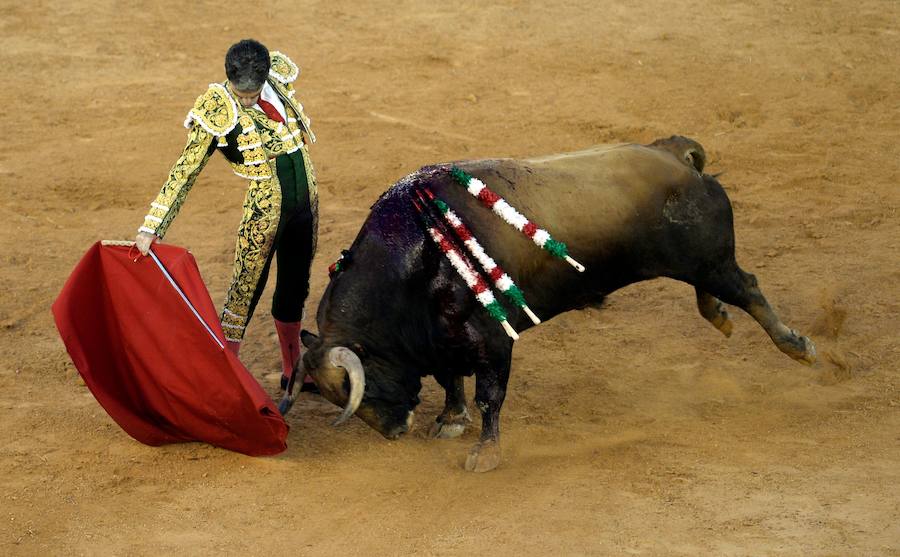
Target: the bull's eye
pixel 360 350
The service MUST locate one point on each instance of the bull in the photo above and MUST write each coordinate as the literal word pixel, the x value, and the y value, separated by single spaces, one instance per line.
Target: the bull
pixel 397 310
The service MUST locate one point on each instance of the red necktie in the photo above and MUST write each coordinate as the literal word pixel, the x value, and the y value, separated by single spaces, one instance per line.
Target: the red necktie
pixel 270 110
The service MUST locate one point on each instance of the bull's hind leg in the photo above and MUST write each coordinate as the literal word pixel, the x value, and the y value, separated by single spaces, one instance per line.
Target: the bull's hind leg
pixel 490 391
pixel 733 286
pixel 713 310
pixel 453 420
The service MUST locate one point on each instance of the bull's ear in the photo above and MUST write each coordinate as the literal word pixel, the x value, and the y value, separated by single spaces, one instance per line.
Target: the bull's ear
pixel 308 339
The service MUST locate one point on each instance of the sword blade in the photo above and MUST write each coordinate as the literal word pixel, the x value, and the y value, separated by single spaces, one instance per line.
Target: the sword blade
pixel 183 297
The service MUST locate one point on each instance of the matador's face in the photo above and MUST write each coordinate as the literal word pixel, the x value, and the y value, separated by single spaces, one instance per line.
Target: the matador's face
pixel 246 98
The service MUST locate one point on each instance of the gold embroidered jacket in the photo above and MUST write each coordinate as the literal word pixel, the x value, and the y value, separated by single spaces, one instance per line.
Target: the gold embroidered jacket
pixel 247 139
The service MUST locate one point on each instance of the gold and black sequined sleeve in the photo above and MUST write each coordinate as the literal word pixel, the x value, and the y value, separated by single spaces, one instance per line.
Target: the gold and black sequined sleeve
pixel 193 158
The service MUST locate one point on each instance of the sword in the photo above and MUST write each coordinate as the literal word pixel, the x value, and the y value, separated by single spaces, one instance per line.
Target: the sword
pixel 174 285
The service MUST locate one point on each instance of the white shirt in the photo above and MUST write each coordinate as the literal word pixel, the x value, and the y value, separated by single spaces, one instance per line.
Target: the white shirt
pixel 270 96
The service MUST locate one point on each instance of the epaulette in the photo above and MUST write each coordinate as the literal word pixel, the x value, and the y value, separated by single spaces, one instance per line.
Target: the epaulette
pixel 215 110
pixel 283 70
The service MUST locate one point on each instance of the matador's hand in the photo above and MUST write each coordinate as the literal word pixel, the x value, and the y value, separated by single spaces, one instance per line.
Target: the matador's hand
pixel 143 240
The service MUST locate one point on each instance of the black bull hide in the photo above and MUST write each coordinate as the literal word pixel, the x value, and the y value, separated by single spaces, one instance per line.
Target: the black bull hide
pixel 398 310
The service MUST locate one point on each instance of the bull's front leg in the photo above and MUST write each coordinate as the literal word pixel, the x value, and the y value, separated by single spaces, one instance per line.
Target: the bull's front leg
pixel 490 390
pixel 453 420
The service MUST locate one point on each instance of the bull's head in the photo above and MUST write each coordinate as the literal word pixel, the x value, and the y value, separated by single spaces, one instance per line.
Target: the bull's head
pixel 341 375
pixel 372 323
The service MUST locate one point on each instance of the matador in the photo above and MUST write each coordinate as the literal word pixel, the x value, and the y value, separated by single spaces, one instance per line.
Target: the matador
pixel 255 120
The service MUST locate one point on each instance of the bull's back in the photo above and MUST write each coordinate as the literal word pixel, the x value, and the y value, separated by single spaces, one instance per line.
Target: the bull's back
pixel 604 203
pixel 589 199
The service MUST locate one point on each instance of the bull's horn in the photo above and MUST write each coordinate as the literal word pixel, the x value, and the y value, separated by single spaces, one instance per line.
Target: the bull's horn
pixel 342 357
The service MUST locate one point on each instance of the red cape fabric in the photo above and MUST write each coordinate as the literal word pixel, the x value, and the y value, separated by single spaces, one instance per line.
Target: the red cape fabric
pixel 151 364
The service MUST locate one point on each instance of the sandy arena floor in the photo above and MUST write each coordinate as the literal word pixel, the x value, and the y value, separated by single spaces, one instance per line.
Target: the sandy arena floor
pixel 634 430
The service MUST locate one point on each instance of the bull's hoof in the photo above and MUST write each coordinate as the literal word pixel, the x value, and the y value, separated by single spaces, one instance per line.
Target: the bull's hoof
pixel 724 324
pixel 808 356
pixel 799 348
pixel 713 310
pixel 448 427
pixel 446 430
pixel 484 457
pixel 718 316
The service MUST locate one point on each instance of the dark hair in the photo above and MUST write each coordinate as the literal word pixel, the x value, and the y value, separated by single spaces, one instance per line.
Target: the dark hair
pixel 247 65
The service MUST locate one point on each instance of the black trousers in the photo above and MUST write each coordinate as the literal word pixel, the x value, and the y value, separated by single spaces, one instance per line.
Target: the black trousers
pixel 293 247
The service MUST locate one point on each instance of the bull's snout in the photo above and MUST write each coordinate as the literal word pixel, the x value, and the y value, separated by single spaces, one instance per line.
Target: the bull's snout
pixel 398 430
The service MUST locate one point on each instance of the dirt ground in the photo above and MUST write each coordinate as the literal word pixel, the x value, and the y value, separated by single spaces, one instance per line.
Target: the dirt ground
pixel 633 430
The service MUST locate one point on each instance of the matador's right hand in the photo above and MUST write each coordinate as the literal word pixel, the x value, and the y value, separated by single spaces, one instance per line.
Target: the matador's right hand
pixel 143 241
